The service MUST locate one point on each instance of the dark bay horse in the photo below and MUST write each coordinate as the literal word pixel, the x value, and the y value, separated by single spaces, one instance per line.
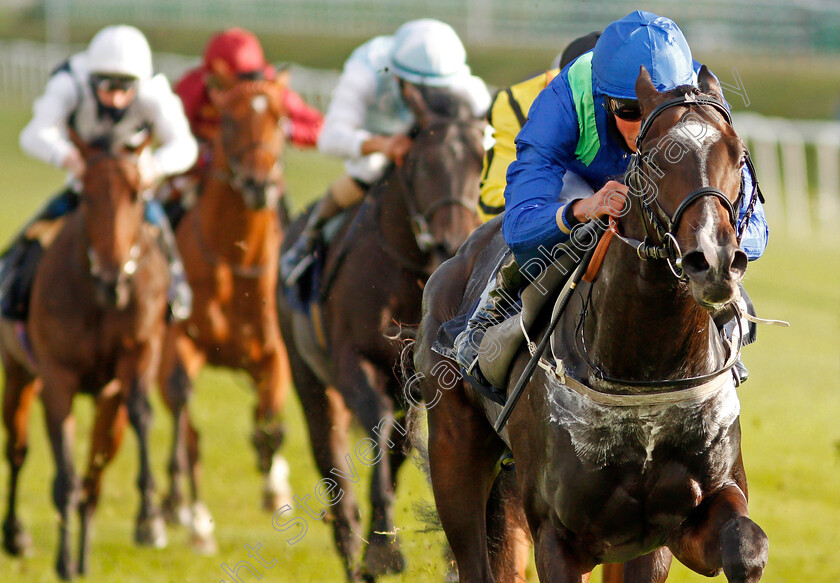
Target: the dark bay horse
pixel 413 218
pixel 229 242
pixel 632 452
pixel 96 326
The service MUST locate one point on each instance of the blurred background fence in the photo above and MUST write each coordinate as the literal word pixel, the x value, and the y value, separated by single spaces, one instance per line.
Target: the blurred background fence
pixel 796 25
pixel 798 161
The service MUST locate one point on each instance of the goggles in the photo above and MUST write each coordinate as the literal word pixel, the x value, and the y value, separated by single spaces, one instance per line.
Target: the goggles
pixel 109 84
pixel 626 109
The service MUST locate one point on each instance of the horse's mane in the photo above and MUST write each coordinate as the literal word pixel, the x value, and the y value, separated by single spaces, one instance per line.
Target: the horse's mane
pixel 445 102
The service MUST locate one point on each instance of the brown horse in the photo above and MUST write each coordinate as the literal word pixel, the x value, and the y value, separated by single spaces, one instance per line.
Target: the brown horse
pixel 413 218
pixel 633 453
pixel 96 325
pixel 229 243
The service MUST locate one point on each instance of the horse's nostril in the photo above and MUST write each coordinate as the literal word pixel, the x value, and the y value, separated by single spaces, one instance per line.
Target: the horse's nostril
pixel 695 262
pixel 739 262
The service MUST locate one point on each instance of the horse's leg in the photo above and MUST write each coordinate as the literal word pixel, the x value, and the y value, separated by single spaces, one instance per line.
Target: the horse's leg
pixel 108 429
pixel 178 368
pixel 363 388
pixel 463 451
pixel 508 537
pixel 383 554
pixel 59 388
pixel 718 535
pixel 556 561
pixel 650 568
pixel 19 394
pixel 271 376
pixel 175 388
pixel 134 375
pixel 328 423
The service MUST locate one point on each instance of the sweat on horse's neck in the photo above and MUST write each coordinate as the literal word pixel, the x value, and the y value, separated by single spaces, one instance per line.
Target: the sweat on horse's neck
pixel 644 325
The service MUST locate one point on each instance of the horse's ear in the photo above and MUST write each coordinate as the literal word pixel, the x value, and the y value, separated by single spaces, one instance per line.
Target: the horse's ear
pixel 136 148
pixel 708 83
pixel 645 91
pixel 416 103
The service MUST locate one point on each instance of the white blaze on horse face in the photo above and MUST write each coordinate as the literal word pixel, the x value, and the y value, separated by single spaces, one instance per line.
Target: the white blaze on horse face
pixel 259 103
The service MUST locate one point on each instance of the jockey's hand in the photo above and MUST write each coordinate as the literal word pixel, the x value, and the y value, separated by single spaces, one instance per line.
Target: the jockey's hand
pixel 396 147
pixel 74 164
pixel 610 200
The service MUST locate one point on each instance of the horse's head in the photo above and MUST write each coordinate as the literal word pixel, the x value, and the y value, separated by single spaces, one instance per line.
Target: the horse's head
pixel 112 208
pixel 441 172
pixel 688 179
pixel 249 148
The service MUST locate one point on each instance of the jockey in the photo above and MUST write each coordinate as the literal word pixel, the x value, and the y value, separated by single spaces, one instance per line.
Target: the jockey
pixel 105 94
pixel 578 138
pixel 508 114
pixel 231 55
pixel 368 119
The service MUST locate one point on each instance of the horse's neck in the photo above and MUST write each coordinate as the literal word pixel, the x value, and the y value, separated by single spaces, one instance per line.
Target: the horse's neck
pixel 231 228
pixel 395 216
pixel 643 325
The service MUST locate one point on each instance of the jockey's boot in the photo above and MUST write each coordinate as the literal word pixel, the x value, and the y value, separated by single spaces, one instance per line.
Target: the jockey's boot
pixel 741 372
pixel 498 302
pixel 299 257
pixel 22 244
pixel 178 293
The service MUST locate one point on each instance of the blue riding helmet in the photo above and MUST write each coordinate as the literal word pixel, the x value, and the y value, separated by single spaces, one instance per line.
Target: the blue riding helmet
pixel 641 38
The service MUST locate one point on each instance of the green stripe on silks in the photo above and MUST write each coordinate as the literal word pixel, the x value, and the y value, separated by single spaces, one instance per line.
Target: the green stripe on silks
pixel 580 82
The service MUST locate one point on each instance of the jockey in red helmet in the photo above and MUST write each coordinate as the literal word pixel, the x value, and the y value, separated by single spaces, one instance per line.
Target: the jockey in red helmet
pixel 231 55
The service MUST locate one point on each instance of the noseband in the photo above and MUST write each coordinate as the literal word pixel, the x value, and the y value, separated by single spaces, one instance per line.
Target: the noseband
pixel 655 220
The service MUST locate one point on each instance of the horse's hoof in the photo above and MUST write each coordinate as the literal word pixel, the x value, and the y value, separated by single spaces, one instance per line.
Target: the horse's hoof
pixel 277 491
pixel 16 540
pixel 66 570
pixel 176 513
pixel 202 527
pixel 383 557
pixel 151 532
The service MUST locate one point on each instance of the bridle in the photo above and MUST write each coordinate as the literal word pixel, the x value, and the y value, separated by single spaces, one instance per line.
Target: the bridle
pixel 658 225
pixel 129 267
pixel 662 228
pixel 421 218
pixel 232 171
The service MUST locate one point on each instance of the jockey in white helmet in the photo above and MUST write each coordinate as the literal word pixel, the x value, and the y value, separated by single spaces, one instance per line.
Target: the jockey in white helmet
pixel 105 94
pixel 368 118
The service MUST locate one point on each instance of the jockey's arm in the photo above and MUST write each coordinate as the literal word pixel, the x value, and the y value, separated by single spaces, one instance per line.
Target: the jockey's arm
pixel 45 136
pixel 344 134
pixel 757 233
pixel 305 121
pixel 498 157
pixel 177 150
pixel 544 148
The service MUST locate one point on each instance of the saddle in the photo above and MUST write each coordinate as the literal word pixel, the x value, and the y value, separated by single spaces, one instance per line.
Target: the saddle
pixel 528 295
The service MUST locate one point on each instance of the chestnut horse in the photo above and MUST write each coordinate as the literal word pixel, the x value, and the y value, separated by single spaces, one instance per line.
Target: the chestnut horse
pixel 632 452
pixel 412 219
pixel 96 325
pixel 229 242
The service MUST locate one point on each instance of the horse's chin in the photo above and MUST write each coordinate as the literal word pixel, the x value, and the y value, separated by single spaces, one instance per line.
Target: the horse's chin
pixel 714 297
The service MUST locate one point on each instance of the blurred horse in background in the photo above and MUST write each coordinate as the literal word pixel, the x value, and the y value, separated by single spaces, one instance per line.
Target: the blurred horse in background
pixel 344 352
pixel 96 326
pixel 229 242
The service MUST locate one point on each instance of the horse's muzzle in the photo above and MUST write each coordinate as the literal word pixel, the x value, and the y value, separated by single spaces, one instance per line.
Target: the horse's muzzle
pixel 714 272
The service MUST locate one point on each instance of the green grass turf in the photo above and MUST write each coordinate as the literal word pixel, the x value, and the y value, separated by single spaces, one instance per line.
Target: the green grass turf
pixel 790 412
